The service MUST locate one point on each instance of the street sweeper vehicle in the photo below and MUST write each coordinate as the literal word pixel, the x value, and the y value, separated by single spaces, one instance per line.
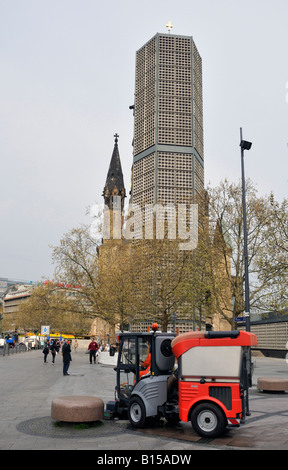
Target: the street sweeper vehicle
pixel 202 377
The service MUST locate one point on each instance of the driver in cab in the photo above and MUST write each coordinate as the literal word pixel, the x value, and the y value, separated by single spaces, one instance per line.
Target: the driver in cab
pixel 146 364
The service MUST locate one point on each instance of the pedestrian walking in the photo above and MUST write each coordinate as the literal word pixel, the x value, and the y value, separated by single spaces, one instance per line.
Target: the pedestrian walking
pixel 66 353
pixel 93 348
pixel 75 345
pixel 53 349
pixel 45 352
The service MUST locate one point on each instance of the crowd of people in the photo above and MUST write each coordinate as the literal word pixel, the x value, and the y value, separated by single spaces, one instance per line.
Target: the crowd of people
pixel 55 346
pixel 52 346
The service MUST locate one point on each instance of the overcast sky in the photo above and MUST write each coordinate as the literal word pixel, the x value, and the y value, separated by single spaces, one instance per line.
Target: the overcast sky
pixel 67 72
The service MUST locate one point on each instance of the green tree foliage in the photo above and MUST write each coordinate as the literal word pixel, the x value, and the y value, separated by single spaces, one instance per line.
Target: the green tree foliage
pixel 54 305
pixel 273 259
pixel 267 249
pixel 148 280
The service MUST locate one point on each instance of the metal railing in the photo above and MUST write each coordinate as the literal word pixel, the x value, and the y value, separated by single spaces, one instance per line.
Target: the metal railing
pixel 6 350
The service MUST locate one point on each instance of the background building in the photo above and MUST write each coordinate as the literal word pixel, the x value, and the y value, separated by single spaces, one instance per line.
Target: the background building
pixel 18 294
pixel 12 293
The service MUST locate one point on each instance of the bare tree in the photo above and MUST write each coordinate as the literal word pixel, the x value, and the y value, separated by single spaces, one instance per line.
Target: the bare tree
pixel 226 221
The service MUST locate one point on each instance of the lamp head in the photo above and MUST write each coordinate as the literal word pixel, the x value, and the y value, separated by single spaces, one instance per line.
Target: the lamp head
pixel 245 145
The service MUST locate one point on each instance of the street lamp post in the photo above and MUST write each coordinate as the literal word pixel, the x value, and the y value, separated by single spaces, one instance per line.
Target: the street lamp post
pixel 245 146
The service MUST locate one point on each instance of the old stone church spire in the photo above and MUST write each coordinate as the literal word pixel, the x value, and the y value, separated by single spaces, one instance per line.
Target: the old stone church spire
pixel 114 185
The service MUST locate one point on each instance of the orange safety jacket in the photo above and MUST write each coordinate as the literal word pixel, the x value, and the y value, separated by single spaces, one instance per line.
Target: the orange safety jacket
pixel 147 366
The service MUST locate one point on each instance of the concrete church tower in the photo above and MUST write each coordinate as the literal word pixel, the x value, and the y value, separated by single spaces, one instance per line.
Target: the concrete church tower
pixel 168 162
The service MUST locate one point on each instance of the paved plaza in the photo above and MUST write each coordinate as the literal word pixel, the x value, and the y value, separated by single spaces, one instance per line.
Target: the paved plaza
pixel 28 386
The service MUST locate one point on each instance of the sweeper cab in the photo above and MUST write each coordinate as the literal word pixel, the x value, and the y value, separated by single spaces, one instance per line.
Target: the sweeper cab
pixel 202 377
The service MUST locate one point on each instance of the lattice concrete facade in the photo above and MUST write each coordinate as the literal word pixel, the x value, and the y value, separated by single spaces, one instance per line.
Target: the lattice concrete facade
pixel 168 164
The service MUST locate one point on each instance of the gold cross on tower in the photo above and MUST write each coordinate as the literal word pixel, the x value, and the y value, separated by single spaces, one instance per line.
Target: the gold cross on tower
pixel 169 26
